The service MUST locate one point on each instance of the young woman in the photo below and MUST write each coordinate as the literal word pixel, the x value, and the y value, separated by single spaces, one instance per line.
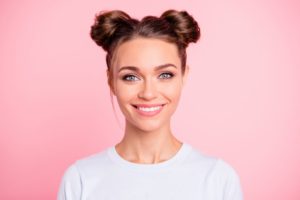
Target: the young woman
pixel 146 70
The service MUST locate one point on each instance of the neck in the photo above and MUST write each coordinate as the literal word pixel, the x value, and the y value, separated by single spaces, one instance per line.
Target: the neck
pixel 149 147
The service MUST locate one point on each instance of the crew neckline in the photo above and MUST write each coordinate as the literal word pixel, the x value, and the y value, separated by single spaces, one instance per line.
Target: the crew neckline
pixel 176 158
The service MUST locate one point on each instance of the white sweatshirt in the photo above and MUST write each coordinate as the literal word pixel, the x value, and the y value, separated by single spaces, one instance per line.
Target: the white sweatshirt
pixel 188 175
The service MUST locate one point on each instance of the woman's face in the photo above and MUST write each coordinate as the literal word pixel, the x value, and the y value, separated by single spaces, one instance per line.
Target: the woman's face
pixel 147 82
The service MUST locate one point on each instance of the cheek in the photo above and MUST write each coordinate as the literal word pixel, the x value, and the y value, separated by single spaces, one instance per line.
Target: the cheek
pixel 173 91
pixel 124 92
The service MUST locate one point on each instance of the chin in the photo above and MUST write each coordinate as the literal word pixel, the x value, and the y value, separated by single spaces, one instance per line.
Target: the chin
pixel 147 126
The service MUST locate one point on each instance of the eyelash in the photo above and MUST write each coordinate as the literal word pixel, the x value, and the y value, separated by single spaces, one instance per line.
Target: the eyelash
pixel 125 77
pixel 169 74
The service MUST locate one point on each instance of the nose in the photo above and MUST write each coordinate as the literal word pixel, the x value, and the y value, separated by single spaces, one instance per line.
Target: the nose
pixel 148 90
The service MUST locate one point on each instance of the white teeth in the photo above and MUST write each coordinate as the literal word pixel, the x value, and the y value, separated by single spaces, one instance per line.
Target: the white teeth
pixel 149 109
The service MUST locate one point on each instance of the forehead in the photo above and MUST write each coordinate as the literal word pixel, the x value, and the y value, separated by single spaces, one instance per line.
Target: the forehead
pixel 146 53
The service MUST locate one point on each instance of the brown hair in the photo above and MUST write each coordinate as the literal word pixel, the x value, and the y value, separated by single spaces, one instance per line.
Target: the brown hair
pixel 112 28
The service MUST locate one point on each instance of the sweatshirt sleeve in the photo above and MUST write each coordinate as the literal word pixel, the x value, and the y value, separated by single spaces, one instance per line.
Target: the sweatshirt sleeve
pixel 71 186
pixel 232 187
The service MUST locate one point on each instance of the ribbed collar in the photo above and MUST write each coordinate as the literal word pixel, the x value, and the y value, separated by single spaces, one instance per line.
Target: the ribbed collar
pixel 178 157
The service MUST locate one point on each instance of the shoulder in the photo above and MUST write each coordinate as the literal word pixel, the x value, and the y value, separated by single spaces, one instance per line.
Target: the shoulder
pixel 93 160
pixel 82 167
pixel 76 175
pixel 219 176
pixel 223 168
pixel 216 166
pixel 199 161
pixel 93 165
pixel 225 174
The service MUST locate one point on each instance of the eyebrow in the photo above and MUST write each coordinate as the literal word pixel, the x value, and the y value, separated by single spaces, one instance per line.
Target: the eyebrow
pixel 133 68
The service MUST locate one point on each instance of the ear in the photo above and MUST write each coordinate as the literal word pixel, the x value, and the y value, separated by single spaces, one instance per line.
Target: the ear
pixel 185 75
pixel 110 81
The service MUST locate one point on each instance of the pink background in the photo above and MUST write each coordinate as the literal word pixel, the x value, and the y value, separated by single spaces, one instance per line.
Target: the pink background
pixel 241 101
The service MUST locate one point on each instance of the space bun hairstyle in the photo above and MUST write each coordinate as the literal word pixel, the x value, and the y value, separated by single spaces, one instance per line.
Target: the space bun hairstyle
pixel 112 28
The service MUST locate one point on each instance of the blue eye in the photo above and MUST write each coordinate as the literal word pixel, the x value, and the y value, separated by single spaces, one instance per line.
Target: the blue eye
pixel 130 78
pixel 166 75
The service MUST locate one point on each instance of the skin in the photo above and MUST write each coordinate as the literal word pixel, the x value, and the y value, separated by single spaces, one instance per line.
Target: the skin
pixel 147 140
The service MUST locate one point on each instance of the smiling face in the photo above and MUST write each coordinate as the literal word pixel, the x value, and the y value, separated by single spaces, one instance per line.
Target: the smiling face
pixel 147 81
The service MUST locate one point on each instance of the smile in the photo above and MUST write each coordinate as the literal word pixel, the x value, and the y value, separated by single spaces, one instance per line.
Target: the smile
pixel 148 110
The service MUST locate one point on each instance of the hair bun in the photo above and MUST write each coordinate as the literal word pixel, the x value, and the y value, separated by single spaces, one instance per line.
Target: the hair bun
pixel 184 25
pixel 109 25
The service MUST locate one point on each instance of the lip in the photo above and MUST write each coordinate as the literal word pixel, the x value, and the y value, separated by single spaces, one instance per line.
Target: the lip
pixel 148 113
